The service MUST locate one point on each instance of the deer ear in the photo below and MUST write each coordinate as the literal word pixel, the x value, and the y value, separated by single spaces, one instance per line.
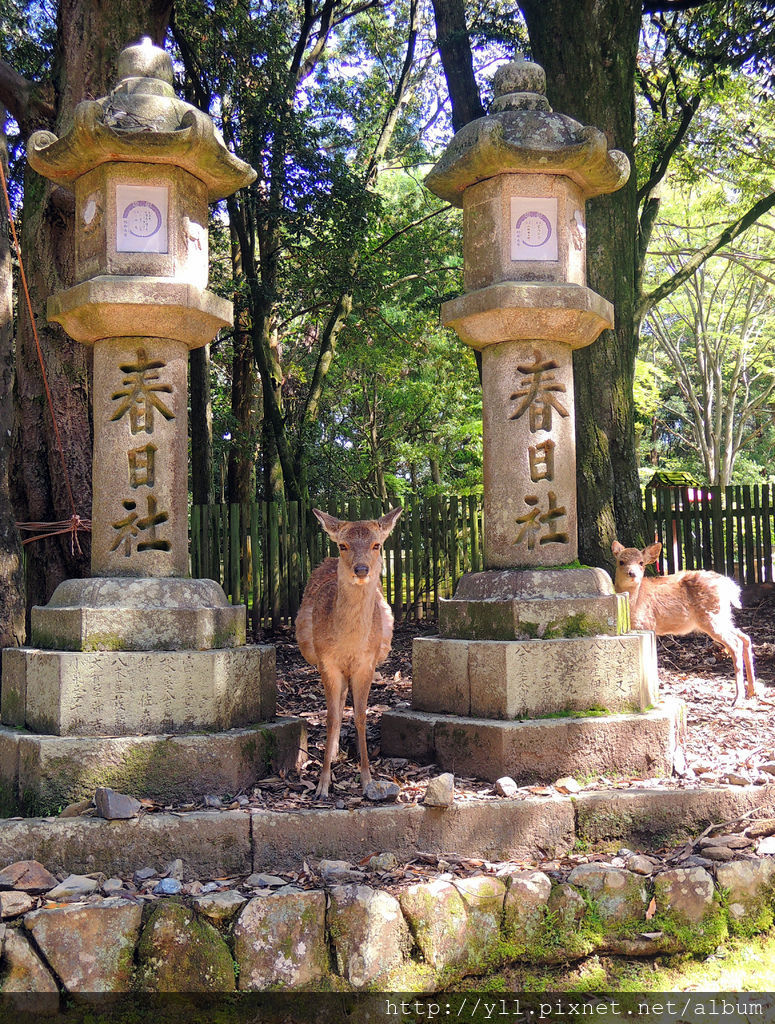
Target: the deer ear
pixel 388 521
pixel 330 524
pixel 617 548
pixel 651 553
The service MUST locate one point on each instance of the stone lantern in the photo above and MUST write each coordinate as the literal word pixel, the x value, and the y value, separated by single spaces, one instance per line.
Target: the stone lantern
pixel 139 650
pixel 535 634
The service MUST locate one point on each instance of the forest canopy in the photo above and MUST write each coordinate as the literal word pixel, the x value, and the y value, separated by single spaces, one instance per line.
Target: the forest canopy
pixel 337 378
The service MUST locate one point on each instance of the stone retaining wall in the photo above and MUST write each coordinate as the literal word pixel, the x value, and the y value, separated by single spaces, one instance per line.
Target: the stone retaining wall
pixel 353 937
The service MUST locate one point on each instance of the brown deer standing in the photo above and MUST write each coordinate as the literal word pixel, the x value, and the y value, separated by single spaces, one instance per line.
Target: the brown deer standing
pixel 345 627
pixel 685 602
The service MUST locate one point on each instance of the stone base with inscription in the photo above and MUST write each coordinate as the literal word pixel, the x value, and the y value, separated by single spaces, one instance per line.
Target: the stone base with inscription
pixel 118 669
pixel 519 645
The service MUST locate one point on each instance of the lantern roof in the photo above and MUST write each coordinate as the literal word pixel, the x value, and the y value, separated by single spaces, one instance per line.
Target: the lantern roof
pixel 141 121
pixel 522 134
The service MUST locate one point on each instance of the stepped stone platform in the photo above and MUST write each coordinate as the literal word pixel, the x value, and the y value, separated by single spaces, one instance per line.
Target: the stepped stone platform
pixel 150 689
pixel 536 675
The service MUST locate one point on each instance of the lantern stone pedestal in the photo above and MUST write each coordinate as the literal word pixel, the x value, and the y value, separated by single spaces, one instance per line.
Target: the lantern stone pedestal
pixel 138 678
pixel 535 673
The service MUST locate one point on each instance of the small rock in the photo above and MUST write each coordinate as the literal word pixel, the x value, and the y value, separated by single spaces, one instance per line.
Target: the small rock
pixel 111 886
pixel 734 780
pixel 174 869
pixel 766 845
pixel 115 806
pixel 383 862
pixel 718 853
pixel 13 904
pixel 167 887
pixel 27 875
pixel 221 906
pixel 73 885
pixel 768 766
pixel 74 810
pixel 213 801
pixel 695 861
pixel 640 865
pixel 440 791
pixel 397 762
pixel 506 786
pixel 339 805
pixel 143 874
pixel 259 880
pixel 380 791
pixel 339 872
pixel 762 827
pixel 567 785
pixel 285 890
pixel 243 801
pixel 210 887
pixel 734 842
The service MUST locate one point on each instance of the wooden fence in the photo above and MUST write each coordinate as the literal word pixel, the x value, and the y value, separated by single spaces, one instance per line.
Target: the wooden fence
pixel 728 529
pixel 263 553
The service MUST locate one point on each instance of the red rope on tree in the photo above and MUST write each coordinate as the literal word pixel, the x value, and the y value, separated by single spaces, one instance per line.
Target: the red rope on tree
pixel 75 522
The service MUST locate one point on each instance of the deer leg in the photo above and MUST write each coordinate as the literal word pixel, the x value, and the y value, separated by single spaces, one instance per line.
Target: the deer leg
pixel 360 689
pixel 750 677
pixel 335 687
pixel 734 645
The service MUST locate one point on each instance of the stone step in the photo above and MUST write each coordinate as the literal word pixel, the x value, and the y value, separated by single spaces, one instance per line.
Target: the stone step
pixel 538 750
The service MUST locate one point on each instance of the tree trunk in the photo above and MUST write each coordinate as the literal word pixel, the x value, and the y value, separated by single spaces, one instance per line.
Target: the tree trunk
pixel 89 38
pixel 12 590
pixel 202 480
pixel 589 57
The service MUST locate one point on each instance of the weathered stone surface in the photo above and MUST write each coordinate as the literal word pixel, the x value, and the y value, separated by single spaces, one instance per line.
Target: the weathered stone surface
pixel 27 875
pixel 90 947
pixel 668 815
pixel 120 693
pixel 533 584
pixel 437 916
pixel 149 614
pixel 687 893
pixel 538 750
pixel 506 786
pixel 521 678
pixel 525 905
pixel 73 885
pixel 115 806
pixel 180 952
pixel 440 791
pixel 47 772
pixel 13 904
pixel 381 791
pixel 749 884
pixel 620 896
pixel 24 972
pixel 370 936
pixel 216 845
pixel 219 907
pixel 456 926
pixel 545 619
pixel 279 940
pixel 339 872
pixel 567 905
pixel 640 865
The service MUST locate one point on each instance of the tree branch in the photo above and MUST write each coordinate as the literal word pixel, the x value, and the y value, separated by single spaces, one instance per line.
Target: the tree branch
pixel 692 265
pixel 25 101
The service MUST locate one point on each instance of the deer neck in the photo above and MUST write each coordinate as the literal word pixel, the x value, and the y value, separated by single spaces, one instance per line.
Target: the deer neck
pixel 355 603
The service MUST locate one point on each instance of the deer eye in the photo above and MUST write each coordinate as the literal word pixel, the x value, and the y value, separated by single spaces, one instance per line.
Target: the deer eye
pixel 375 547
pixel 343 547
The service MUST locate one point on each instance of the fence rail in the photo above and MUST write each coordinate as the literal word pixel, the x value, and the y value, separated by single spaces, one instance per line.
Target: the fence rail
pixel 263 553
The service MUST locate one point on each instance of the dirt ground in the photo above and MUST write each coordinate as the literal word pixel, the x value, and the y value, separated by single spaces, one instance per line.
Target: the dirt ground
pixel 723 744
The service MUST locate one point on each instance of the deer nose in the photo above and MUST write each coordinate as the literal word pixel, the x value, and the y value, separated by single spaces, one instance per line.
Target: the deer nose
pixel 361 571
pixel 632 573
